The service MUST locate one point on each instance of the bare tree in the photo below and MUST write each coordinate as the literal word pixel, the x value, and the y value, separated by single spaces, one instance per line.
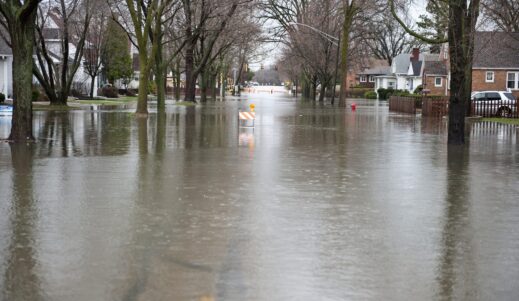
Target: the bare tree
pixel 141 20
pixel 502 14
pixel 59 48
pixel 19 18
pixel 95 44
pixel 199 16
pixel 386 39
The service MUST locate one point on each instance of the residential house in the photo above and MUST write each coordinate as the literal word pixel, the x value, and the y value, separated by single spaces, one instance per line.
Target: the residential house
pixel 51 33
pixel 366 78
pixel 435 76
pixel 496 62
pixel 6 69
pixel 404 74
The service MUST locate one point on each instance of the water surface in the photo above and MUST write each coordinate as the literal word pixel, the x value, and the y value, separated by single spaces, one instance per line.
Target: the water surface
pixel 314 203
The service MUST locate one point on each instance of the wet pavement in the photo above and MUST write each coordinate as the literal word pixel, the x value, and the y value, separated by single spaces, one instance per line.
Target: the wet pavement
pixel 314 203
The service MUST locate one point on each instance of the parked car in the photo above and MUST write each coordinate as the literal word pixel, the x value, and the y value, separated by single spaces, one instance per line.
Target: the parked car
pixel 494 103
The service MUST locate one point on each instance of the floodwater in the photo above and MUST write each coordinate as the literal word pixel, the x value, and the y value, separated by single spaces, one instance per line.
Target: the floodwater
pixel 314 203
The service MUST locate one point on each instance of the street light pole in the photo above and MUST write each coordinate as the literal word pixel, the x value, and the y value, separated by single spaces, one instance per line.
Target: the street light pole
pixel 335 41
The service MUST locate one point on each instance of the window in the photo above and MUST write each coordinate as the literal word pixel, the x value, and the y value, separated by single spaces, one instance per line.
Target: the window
pixel 479 97
pixel 363 78
pixel 493 96
pixel 438 81
pixel 510 96
pixel 371 79
pixel 513 80
pixel 490 77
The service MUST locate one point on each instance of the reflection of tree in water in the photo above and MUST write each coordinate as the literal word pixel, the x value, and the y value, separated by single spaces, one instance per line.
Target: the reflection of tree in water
pixel 57 133
pixel 21 281
pixel 79 134
pixel 115 134
pixel 456 264
pixel 207 128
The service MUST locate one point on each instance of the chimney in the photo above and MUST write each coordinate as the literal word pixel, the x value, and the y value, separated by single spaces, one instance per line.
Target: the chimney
pixel 415 55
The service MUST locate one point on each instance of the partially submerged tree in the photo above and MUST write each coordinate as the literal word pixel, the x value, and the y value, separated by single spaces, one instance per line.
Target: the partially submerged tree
pixel 138 18
pixel 463 16
pixel 19 18
pixel 218 14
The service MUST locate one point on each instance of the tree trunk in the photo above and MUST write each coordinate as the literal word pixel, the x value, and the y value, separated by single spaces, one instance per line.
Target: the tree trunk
pixel 190 65
pixel 213 85
pixel 349 13
pixel 92 86
pixel 462 20
pixel 177 80
pixel 322 92
pixel 22 43
pixel 160 73
pixel 203 85
pixel 144 70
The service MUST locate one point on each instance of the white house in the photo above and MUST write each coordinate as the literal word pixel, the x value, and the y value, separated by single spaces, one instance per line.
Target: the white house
pixel 51 34
pixel 405 72
pixel 6 69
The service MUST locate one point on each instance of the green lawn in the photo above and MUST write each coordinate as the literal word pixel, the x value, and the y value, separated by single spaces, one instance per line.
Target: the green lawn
pixel 109 101
pixel 513 121
pixel 185 103
pixel 46 107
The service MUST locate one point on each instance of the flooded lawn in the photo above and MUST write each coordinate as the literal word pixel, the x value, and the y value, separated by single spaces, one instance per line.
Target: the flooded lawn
pixel 314 203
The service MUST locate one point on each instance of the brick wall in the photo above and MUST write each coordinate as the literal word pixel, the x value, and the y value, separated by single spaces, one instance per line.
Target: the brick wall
pixel 429 84
pixel 499 84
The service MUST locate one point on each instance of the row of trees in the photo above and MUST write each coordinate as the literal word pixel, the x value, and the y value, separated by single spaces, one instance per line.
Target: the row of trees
pixel 203 39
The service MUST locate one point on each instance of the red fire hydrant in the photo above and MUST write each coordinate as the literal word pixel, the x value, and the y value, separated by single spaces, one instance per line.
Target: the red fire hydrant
pixel 353 107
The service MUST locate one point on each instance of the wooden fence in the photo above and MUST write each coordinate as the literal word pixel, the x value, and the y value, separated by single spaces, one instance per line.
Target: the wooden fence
pixel 435 106
pixel 404 104
pixel 438 106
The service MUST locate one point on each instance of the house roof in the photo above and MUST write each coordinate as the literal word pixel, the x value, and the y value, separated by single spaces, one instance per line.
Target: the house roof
pixel 401 63
pixel 51 33
pixel 417 67
pixel 380 70
pixel 435 68
pixel 4 48
pixel 496 50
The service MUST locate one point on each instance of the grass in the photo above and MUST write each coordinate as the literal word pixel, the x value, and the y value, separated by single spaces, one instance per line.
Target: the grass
pixel 186 103
pixel 109 101
pixel 42 107
pixel 512 121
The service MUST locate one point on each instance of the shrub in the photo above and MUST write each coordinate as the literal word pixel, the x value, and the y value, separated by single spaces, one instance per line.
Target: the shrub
pixel 75 93
pixel 370 95
pixel 2 97
pixel 358 92
pixel 131 93
pixel 418 90
pixel 385 93
pixel 110 92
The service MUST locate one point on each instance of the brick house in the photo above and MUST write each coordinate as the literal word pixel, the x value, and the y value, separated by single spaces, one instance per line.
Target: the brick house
pixel 496 62
pixel 435 77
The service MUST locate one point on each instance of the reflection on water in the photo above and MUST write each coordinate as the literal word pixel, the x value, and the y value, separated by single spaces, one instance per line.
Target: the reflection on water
pixel 312 203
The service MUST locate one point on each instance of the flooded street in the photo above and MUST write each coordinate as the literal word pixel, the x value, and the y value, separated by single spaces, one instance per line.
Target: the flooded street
pixel 314 203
